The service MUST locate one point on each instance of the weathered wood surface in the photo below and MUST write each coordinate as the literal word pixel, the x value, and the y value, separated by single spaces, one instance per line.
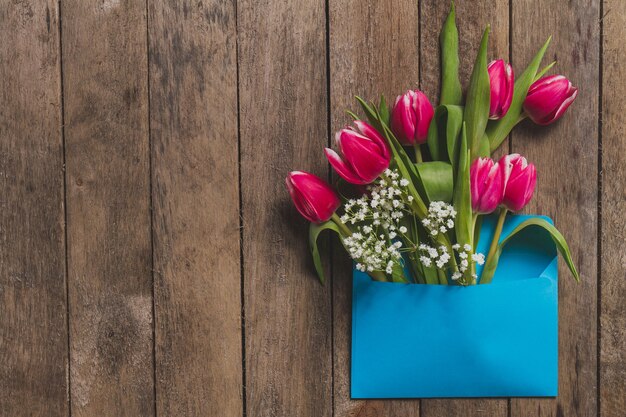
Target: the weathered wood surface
pixel 612 286
pixel 105 86
pixel 195 197
pixel 165 273
pixel 283 116
pixel 33 307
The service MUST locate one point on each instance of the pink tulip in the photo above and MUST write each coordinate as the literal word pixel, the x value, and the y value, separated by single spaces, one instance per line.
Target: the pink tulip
pixel 312 196
pixel 548 98
pixel 411 116
pixel 520 181
pixel 501 80
pixel 365 154
pixel 486 184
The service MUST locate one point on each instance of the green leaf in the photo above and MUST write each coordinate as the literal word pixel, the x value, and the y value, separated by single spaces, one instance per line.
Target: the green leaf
pixel 397 274
pixel 462 197
pixel 483 147
pixel 354 116
pixel 444 132
pixel 437 179
pixel 477 226
pixel 556 237
pixel 449 42
pixel 454 122
pixel 498 130
pixel 383 110
pixel 478 96
pixel 544 70
pixel 433 140
pixel 314 232
pixel 370 113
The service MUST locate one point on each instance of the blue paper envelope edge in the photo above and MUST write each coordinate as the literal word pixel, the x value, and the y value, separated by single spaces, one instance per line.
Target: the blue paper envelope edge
pixel 435 341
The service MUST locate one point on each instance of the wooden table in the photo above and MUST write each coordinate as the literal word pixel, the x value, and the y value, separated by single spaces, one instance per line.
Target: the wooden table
pixel 151 263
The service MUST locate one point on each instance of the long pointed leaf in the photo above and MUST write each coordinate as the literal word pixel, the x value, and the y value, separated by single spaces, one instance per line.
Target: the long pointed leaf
pixel 449 41
pixel 478 96
pixel 444 132
pixel 462 198
pixel 544 70
pixel 555 235
pixel 383 110
pixel 498 130
pixel 314 232
pixel 370 113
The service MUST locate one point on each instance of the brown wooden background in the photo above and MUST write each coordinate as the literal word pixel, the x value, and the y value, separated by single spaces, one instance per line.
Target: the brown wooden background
pixel 151 263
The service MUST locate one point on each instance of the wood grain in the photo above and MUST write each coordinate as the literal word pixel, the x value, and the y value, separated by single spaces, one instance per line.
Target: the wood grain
pixel 373 51
pixel 566 157
pixel 193 114
pixel 33 326
pixel 472 17
pixel 612 279
pixel 108 211
pixel 283 102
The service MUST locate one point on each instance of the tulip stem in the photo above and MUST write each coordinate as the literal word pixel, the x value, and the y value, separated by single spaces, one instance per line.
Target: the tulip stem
pixel 342 227
pixel 418 153
pixel 495 241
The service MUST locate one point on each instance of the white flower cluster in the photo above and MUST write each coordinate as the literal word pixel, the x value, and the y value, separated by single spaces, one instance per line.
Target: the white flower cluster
pixel 380 213
pixel 440 218
pixel 374 252
pixel 440 257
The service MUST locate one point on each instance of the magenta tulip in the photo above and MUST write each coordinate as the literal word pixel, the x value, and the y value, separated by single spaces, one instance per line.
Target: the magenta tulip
pixel 548 98
pixel 312 196
pixel 501 80
pixel 486 185
pixel 411 116
pixel 365 154
pixel 521 179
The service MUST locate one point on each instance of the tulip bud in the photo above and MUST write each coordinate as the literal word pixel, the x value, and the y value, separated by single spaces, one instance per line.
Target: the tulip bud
pixel 486 185
pixel 312 196
pixel 501 80
pixel 548 98
pixel 520 181
pixel 411 116
pixel 365 154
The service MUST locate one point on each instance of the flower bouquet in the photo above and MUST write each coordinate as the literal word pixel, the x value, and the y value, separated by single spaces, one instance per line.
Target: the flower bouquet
pixel 422 202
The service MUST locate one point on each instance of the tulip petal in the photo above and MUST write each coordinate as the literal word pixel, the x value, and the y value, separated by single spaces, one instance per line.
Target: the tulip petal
pixel 299 201
pixel 342 168
pixel 313 197
pixel 368 131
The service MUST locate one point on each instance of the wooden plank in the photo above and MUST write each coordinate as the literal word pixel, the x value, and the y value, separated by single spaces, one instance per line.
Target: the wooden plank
pixel 566 157
pixel 193 128
pixel 472 18
pixel 108 211
pixel 33 325
pixel 282 85
pixel 613 286
pixel 373 50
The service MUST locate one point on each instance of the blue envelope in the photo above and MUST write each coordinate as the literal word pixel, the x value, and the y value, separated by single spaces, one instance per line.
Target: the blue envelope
pixel 493 340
